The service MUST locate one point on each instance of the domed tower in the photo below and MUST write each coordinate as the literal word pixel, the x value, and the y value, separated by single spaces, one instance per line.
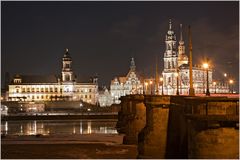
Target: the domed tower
pixel 182 57
pixel 67 74
pixel 170 62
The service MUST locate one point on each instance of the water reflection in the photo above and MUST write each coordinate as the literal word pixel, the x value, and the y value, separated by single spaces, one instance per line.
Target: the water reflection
pixel 47 127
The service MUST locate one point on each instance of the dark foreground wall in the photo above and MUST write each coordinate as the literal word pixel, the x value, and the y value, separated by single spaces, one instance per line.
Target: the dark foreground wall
pixel 185 127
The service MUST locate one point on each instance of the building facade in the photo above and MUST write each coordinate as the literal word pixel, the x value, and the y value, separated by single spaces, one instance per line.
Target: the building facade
pixel 130 84
pixel 49 88
pixel 176 70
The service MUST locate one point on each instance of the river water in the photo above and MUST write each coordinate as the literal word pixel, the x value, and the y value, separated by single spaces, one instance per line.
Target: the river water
pixel 53 127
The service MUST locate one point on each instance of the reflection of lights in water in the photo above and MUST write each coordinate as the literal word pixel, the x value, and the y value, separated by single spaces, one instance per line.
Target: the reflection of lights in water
pixel 6 127
pixel 74 130
pixel 105 129
pixel 81 130
pixel 32 128
pixel 89 127
pixel 21 129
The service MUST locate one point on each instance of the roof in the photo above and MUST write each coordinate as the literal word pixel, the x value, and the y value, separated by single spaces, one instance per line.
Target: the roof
pixel 39 78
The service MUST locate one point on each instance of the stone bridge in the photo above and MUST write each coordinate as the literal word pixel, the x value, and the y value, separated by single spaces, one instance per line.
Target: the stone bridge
pixel 180 126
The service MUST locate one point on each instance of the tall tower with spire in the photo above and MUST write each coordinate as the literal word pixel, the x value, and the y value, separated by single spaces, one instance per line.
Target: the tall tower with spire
pixel 67 74
pixel 182 57
pixel 170 62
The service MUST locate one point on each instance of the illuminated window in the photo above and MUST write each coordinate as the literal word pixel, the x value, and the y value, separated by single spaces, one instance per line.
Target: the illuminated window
pixel 55 89
pixel 32 97
pixel 37 97
pixel 41 89
pixel 46 89
pixel 90 96
pixel 17 90
pixel 90 90
pixel 28 89
pixel 37 89
pixel 23 89
pixel 51 90
pixel 32 89
pixel 42 96
pixel 85 96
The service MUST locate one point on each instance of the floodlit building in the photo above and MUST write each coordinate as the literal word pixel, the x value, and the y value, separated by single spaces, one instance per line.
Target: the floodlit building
pixel 52 87
pixel 130 84
pixel 105 98
pixel 176 70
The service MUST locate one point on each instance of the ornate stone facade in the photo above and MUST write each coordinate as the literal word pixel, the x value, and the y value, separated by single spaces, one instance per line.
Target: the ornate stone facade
pixel 121 86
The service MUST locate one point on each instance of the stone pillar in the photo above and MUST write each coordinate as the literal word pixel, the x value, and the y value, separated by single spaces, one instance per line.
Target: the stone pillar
pixel 136 119
pixel 153 138
pixel 123 114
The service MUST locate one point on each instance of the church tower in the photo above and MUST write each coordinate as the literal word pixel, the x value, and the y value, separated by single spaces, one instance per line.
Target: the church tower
pixel 182 57
pixel 170 62
pixel 67 74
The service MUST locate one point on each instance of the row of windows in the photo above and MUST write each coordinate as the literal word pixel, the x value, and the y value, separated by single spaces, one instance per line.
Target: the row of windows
pixel 49 97
pixel 46 90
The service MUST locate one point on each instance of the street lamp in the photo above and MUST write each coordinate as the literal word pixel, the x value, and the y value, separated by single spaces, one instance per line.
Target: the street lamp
pixel 214 83
pixel 151 87
pixel 161 80
pixel 146 85
pixel 206 66
pixel 230 85
pixel 176 74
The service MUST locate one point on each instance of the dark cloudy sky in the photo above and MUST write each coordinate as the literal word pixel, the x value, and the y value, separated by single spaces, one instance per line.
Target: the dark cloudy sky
pixel 103 36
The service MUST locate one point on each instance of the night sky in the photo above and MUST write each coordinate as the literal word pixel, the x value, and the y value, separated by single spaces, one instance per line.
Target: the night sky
pixel 103 36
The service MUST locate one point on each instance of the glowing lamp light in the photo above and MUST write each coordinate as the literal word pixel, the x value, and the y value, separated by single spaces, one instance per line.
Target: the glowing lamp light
pixel 146 83
pixel 205 65
pixel 231 81
pixel 214 83
pixel 225 74
pixel 161 79
pixel 151 82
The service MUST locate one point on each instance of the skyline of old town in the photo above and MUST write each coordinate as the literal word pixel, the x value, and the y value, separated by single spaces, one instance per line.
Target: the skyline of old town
pixel 138 39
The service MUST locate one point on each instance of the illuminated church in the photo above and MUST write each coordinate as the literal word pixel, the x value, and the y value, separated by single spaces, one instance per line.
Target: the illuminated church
pixel 47 88
pixel 176 70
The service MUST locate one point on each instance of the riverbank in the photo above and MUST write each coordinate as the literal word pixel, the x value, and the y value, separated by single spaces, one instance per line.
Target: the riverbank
pixel 89 146
pixel 69 116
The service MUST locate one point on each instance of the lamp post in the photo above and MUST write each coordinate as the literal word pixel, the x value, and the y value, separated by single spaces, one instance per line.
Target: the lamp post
pixel 176 74
pixel 230 85
pixel 146 85
pixel 151 87
pixel 161 80
pixel 206 66
pixel 214 83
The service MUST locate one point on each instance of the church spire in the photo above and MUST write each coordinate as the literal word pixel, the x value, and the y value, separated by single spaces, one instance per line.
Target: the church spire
pixel 181 37
pixel 132 65
pixel 170 24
